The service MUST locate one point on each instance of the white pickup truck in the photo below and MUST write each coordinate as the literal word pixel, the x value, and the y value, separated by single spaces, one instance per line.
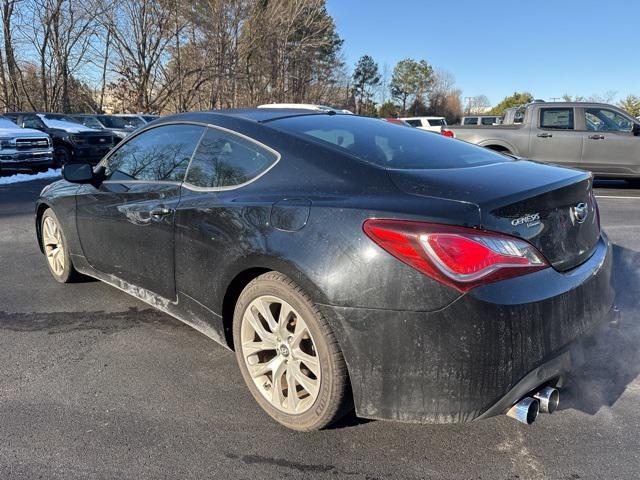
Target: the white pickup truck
pixel 24 148
pixel 593 136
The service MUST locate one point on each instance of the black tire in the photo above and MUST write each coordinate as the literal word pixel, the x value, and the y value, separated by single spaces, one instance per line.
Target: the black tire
pixel 68 273
pixel 499 149
pixel 334 396
pixel 61 155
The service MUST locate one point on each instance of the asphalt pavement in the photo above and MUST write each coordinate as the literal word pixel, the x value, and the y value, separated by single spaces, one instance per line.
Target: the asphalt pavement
pixel 95 384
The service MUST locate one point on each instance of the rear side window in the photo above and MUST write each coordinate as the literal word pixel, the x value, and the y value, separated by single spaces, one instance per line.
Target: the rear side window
pixel 439 122
pixel 159 154
pixel 471 121
pixel 488 120
pixel 415 123
pixel 226 160
pixel 557 118
pixel 386 144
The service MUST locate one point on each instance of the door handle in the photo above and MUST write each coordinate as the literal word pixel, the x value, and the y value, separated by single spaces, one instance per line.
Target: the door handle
pixel 545 135
pixel 158 212
pixel 596 137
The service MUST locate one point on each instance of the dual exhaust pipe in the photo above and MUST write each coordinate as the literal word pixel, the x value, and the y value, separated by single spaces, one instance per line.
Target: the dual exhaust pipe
pixel 543 401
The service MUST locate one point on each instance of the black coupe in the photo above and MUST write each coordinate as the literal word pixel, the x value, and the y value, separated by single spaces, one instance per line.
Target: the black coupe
pixel 349 262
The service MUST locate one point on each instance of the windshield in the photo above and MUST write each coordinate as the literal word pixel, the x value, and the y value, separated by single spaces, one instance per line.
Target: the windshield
pixel 112 122
pixel 133 121
pixel 6 123
pixel 90 122
pixel 150 118
pixel 386 144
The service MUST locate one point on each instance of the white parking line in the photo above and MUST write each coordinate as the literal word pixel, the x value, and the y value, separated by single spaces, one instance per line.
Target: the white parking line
pixel 615 196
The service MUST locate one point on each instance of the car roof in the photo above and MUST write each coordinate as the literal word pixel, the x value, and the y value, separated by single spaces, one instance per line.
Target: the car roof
pixel 258 115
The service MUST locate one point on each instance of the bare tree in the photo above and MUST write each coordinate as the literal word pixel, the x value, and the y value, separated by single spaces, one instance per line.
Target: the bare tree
pixel 478 104
pixel 141 31
pixel 13 81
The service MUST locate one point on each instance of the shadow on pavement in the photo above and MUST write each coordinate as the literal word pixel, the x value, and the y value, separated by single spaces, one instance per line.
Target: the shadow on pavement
pixel 612 355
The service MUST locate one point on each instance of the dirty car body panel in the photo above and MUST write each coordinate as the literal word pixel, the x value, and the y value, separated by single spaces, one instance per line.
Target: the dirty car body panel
pixel 417 349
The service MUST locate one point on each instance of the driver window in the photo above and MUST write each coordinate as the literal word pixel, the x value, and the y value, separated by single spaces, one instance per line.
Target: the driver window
pixel 603 120
pixel 159 154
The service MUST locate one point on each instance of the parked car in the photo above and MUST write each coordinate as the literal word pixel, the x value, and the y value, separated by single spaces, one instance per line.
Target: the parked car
pixel 481 120
pixel 347 261
pixel 24 148
pixel 433 124
pixel 72 141
pixel 118 127
pixel 597 137
pixel 137 120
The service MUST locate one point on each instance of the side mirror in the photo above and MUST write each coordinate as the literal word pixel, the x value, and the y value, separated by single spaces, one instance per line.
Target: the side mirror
pixel 78 173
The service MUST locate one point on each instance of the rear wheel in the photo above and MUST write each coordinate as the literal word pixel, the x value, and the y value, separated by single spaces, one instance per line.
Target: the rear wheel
pixel 55 248
pixel 288 354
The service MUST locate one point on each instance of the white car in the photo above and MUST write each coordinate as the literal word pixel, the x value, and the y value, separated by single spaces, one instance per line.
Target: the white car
pixel 481 120
pixel 432 124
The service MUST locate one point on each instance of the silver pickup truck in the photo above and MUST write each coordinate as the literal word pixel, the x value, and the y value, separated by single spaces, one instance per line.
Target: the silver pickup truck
pixel 24 148
pixel 593 136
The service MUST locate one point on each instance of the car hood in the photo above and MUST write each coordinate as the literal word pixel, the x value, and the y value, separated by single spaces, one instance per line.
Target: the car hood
pixel 21 132
pixel 68 126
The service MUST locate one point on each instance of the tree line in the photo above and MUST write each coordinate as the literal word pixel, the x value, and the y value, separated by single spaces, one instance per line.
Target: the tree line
pixel 164 56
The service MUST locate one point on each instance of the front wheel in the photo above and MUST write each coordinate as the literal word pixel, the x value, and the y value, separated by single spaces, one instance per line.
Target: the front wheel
pixel 61 155
pixel 55 248
pixel 288 354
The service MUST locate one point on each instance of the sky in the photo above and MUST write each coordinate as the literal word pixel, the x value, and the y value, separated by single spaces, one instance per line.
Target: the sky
pixel 496 47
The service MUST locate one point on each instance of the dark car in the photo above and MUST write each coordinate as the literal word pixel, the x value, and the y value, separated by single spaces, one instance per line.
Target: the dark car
pixel 72 141
pixel 347 261
pixel 113 124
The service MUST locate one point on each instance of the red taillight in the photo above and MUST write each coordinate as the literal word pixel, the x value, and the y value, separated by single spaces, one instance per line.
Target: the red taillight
pixel 456 256
pixel 447 133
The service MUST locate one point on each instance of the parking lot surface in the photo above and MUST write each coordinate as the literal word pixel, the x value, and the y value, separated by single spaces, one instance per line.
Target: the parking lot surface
pixel 94 384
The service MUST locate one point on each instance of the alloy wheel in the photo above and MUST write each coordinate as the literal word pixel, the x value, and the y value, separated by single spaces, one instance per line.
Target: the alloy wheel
pixel 280 354
pixel 53 245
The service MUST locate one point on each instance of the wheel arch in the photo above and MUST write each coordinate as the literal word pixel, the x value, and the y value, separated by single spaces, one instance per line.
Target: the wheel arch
pixel 499 146
pixel 41 207
pixel 241 277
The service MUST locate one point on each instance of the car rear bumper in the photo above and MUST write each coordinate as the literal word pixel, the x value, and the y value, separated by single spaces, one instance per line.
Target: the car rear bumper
pixel 480 354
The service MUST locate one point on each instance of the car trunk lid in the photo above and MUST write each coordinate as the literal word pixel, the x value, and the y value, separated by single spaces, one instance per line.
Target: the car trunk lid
pixel 553 208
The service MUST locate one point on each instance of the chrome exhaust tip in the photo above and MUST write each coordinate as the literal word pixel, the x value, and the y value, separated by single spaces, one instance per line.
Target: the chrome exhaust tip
pixel 525 411
pixel 549 399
